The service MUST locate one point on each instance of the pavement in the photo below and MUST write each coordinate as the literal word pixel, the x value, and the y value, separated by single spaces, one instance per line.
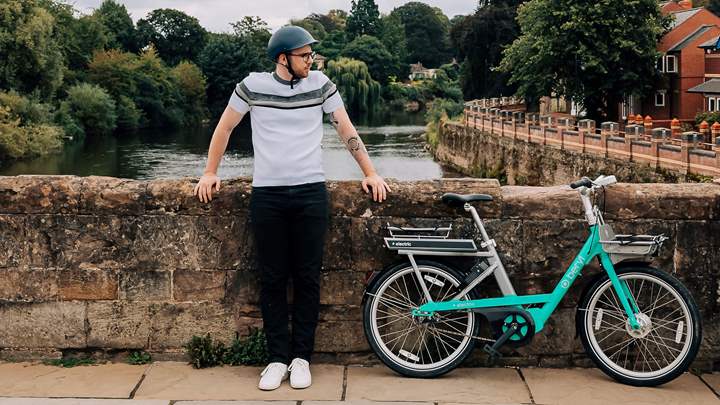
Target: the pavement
pixel 169 383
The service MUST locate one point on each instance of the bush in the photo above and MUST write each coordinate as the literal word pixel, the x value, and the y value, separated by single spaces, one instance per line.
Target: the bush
pixel 91 108
pixel 192 83
pixel 252 350
pixel 710 117
pixel 19 141
pixel 29 111
pixel 129 116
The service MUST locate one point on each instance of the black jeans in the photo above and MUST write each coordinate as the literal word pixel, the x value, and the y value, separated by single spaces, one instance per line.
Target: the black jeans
pixel 289 224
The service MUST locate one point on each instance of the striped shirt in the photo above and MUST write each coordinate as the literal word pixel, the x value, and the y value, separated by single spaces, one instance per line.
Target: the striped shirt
pixel 286 125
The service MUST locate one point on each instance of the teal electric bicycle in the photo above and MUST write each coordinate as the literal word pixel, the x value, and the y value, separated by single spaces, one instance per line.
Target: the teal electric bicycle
pixel 422 318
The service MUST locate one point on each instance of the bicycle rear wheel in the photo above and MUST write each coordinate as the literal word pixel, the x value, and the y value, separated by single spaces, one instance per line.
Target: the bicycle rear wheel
pixel 666 343
pixel 418 347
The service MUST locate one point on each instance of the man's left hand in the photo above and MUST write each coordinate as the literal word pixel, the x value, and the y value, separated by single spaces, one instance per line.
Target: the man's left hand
pixel 377 185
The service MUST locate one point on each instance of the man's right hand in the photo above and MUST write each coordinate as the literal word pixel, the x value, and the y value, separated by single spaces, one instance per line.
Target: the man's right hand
pixel 204 187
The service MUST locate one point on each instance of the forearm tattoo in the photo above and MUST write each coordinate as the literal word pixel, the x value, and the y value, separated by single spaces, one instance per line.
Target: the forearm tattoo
pixel 355 145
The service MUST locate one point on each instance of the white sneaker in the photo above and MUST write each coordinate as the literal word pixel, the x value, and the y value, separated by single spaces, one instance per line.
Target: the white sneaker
pixel 273 376
pixel 300 373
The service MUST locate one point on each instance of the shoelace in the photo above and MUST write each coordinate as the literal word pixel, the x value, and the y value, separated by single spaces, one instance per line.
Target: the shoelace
pixel 270 366
pixel 297 362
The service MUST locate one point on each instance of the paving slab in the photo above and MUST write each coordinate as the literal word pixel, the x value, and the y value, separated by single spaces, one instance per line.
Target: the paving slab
pixel 237 402
pixel 713 380
pixel 180 381
pixel 78 401
pixel 568 386
pixel 30 379
pixel 363 402
pixel 462 385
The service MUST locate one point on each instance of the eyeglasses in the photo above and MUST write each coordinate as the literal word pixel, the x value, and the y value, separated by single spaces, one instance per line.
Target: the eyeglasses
pixel 306 57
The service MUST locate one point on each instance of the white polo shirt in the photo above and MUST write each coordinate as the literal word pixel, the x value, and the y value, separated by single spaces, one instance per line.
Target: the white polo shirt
pixel 286 125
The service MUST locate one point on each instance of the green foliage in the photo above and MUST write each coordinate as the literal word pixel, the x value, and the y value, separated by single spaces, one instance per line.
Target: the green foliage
pixel 392 35
pixel 70 362
pixel 32 58
pixel 139 357
pixel 709 117
pixel 191 83
pixel 364 18
pixel 334 20
pixel 226 60
pixel 479 40
pixel 92 108
pixel 591 52
pixel 86 35
pixel 120 27
pixel 252 350
pixel 315 28
pixel 379 61
pixel 204 352
pixel 19 140
pixel 176 35
pixel 129 116
pixel 426 33
pixel 359 90
pixel 29 111
pixel 164 97
pixel 332 45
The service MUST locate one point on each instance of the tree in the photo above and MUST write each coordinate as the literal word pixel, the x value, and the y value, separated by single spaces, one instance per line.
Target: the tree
pixel 380 63
pixel 225 61
pixel 191 83
pixel 332 45
pixel 352 78
pixel 32 58
pixel 392 35
pixel 334 20
pixel 85 35
pixel 315 28
pixel 120 27
pixel 426 33
pixel 364 18
pixel 479 40
pixel 176 35
pixel 253 29
pixel 588 51
pixel 92 108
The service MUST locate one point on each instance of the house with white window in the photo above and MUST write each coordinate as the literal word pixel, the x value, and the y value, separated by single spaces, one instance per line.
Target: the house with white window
pixel 682 64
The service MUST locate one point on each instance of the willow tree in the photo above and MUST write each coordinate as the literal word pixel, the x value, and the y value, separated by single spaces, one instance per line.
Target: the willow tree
pixel 352 78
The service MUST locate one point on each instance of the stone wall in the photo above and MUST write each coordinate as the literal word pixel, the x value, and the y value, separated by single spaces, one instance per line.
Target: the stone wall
pixel 520 162
pixel 104 265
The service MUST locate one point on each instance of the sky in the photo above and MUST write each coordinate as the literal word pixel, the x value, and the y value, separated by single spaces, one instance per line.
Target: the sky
pixel 216 15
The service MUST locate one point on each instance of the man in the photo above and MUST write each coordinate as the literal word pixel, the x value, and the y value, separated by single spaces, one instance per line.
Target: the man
pixel 288 204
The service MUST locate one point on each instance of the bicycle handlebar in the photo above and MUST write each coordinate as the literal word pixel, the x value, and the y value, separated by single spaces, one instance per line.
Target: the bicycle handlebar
pixel 586 182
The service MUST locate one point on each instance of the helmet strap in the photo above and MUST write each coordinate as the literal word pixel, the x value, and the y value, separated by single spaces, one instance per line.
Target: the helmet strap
pixel 294 79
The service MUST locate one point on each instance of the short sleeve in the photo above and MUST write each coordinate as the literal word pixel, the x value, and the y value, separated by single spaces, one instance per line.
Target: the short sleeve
pixel 331 98
pixel 238 101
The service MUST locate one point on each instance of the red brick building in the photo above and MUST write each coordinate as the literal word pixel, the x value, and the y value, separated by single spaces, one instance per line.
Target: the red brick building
pixel 683 64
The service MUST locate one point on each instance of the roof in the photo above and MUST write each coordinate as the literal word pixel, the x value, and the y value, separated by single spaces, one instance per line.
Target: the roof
pixel 711 43
pixel 690 38
pixel 682 16
pixel 710 86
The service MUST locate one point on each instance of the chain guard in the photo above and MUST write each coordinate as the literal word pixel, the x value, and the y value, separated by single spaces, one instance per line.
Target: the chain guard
pixel 500 320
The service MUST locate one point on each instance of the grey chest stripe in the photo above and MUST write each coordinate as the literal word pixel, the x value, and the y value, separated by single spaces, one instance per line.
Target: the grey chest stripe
pixel 307 99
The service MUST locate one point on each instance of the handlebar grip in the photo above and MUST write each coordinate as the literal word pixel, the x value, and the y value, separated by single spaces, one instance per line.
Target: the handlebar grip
pixel 582 182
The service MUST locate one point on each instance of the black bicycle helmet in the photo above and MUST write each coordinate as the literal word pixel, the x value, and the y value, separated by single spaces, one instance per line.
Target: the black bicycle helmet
pixel 285 40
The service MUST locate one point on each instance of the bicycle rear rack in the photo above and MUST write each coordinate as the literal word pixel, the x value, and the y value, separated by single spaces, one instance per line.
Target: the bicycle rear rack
pixel 427 239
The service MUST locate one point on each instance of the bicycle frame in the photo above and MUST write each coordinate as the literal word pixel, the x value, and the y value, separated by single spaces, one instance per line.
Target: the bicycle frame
pixel 548 302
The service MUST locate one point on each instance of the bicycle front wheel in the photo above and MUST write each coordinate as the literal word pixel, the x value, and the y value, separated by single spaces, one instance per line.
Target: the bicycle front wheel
pixel 418 346
pixel 667 341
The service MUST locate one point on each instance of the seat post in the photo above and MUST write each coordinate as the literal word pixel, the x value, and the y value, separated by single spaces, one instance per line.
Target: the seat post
pixel 478 221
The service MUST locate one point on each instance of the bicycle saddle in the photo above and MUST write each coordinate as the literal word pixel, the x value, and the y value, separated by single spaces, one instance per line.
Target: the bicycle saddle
pixel 461 199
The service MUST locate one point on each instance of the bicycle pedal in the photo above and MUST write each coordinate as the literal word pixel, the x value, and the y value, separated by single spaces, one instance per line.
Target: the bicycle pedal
pixel 492 352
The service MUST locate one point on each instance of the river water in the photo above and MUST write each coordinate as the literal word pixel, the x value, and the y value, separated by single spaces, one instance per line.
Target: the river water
pixel 395 143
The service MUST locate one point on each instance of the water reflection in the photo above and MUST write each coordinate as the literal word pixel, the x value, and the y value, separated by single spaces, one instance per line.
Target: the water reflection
pixel 395 144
